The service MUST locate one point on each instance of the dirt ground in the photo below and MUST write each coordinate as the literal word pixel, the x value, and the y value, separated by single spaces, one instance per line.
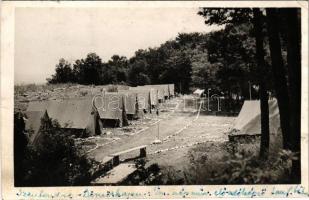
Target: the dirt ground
pixel 180 131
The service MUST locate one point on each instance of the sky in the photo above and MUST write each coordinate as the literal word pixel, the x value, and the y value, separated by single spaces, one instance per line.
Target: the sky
pixel 44 35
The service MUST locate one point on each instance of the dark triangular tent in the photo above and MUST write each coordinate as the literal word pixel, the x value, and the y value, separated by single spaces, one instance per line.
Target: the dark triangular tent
pixel 111 109
pixel 75 114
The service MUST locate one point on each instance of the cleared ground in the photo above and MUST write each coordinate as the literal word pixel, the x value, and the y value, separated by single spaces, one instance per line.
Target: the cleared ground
pixel 179 130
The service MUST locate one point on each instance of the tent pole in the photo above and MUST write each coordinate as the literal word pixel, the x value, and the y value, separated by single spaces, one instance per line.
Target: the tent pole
pixel 158 130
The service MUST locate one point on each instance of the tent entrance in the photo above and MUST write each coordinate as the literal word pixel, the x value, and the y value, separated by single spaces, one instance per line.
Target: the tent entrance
pixel 110 123
pixel 132 116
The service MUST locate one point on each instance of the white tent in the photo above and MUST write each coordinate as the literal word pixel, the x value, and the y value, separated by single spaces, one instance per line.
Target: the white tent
pixel 198 92
pixel 248 121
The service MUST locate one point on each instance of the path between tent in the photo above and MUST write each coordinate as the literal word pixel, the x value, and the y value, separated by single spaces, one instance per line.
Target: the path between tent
pixel 178 131
pixel 158 120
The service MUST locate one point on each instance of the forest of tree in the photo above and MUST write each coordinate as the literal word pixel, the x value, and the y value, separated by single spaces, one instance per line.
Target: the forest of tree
pixel 277 36
pixel 191 60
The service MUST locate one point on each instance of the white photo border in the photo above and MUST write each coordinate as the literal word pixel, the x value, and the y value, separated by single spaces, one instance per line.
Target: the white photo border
pixel 153 192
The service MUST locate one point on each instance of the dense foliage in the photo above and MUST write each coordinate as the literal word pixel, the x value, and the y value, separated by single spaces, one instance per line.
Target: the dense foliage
pixel 242 166
pixel 54 161
pixel 191 60
pixel 284 52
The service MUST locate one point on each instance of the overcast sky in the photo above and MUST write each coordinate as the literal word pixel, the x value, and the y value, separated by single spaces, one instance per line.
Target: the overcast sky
pixel 44 35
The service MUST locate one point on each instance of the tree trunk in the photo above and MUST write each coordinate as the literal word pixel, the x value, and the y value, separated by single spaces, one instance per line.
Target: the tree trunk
pixel 279 75
pixel 294 72
pixel 264 146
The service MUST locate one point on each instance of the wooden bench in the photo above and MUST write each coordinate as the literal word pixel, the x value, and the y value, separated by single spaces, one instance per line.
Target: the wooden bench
pixel 116 156
pixel 116 175
pixel 105 165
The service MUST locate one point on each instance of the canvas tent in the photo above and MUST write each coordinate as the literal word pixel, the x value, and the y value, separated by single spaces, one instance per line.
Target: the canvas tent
pixel 249 119
pixel 153 93
pixel 33 123
pixel 111 109
pixel 153 96
pixel 164 88
pixel 144 98
pixel 75 114
pixel 159 89
pixel 131 103
pixel 160 94
pixel 198 92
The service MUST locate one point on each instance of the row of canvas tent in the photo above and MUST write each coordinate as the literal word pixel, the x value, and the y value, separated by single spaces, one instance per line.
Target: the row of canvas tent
pixel 88 115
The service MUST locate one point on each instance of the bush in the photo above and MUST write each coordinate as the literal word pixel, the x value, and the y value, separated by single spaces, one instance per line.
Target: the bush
pixel 21 89
pixel 248 169
pixel 144 176
pixel 240 167
pixel 54 159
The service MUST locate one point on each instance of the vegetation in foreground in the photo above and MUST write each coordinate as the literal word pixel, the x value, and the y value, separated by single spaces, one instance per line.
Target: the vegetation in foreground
pixel 219 164
pixel 54 161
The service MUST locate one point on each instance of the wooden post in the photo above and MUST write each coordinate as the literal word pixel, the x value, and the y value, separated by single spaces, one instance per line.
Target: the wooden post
pixel 143 152
pixel 116 160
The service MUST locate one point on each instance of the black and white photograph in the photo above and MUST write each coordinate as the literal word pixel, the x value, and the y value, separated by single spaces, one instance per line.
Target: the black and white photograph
pixel 157 96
